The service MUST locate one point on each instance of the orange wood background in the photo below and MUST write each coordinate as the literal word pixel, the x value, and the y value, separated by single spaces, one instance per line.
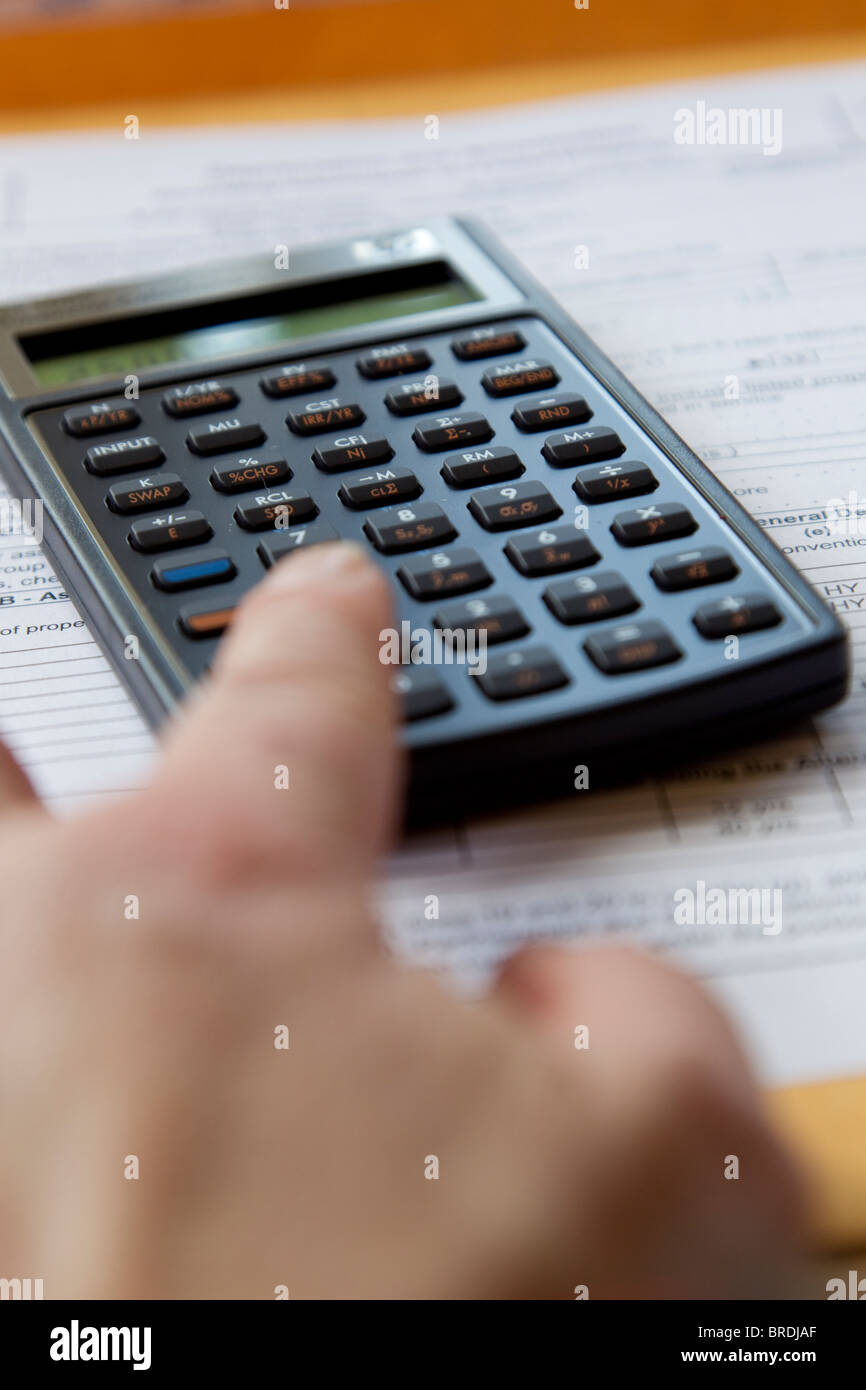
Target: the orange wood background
pixel 136 59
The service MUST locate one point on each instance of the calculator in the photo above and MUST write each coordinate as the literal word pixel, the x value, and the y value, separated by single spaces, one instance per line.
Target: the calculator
pixel 592 599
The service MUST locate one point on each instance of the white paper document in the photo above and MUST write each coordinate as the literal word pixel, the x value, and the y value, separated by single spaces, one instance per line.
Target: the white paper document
pixel 729 282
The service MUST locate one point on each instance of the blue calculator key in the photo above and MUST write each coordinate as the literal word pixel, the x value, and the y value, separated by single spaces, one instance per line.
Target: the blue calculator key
pixel 191 568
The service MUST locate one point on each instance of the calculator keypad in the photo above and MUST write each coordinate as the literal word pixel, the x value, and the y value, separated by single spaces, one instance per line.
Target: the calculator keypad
pixel 503 490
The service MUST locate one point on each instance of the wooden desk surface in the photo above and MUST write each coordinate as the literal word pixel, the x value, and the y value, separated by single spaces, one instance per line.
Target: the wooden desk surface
pixel 825 1123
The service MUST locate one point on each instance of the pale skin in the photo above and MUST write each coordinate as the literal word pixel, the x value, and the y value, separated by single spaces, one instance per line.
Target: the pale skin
pixel 260 1167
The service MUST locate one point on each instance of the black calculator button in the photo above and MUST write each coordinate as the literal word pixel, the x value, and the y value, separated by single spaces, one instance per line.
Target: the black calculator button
pixel 166 532
pixel 726 617
pixel 206 622
pixel 298 380
pixel 124 455
pixel 245 474
pixel 659 521
pixel 488 342
pixel 589 598
pixel 632 647
pixel 546 412
pixel 380 489
pixel 100 417
pixel 514 675
pixel 192 568
pixel 498 617
pixel 299 538
pixel 551 551
pixel 144 494
pixel 421 693
pixel 275 511
pixel 409 528
pixel 198 398
pixel 481 466
pixel 571 447
pixel 608 482
pixel 518 504
pixel 353 452
pixel 224 436
pixel 445 572
pixel 452 430
pixel 690 568
pixel 511 378
pixel 430 393
pixel 395 360
pixel 318 417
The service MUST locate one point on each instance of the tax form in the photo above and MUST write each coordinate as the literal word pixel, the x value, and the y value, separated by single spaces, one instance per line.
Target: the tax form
pixel 729 282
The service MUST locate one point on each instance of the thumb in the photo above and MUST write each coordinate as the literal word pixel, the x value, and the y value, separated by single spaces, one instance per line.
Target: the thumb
pixel 285 761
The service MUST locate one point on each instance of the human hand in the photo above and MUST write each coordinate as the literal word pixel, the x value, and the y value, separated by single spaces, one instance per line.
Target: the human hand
pixel 155 1143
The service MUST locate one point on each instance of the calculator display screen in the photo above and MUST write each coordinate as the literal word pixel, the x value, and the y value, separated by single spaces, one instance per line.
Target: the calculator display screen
pixel 95 350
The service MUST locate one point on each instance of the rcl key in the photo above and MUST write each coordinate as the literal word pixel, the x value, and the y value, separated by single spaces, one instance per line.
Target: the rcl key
pixel 275 510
